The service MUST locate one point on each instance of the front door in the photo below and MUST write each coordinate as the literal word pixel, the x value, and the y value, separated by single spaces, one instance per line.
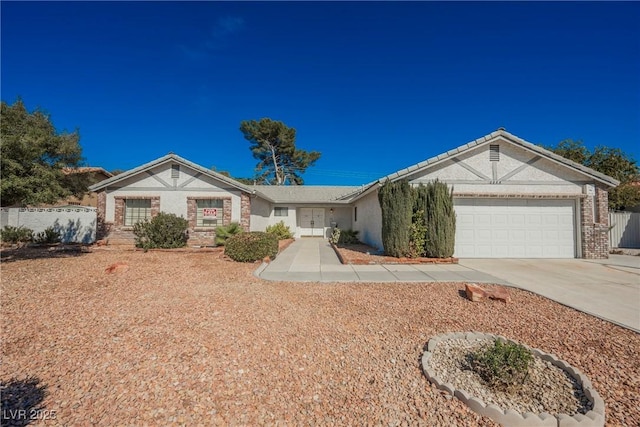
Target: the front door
pixel 312 222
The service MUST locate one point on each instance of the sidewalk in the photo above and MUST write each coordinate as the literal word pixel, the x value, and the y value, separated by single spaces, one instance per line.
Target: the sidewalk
pixel 314 260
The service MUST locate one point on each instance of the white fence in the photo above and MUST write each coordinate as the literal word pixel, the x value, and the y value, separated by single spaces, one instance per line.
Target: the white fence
pixel 74 224
pixel 625 229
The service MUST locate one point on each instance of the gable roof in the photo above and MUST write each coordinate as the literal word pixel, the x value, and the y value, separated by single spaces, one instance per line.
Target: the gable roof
pixel 487 139
pixel 304 193
pixel 169 158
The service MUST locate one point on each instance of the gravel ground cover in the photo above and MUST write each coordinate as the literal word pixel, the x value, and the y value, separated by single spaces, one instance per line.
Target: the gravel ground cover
pixel 193 339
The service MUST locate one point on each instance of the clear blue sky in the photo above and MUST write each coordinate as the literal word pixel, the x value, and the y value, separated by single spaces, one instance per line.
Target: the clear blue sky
pixel 375 87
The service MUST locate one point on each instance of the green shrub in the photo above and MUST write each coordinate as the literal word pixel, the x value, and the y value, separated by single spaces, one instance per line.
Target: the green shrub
pixel 251 246
pixel 396 204
pixel 344 237
pixel 335 236
pixel 418 236
pixel 223 232
pixel 164 231
pixel 10 234
pixel 48 236
pixel 348 237
pixel 280 230
pixel 503 365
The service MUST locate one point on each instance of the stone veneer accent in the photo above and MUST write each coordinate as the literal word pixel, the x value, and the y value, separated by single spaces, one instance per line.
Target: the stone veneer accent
pixel 245 211
pixel 594 224
pixel 119 208
pixel 593 418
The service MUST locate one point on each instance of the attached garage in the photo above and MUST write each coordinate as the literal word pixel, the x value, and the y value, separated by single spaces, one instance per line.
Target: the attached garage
pixel 515 228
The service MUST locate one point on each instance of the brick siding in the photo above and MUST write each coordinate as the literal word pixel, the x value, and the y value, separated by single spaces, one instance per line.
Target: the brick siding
pixel 594 220
pixel 245 211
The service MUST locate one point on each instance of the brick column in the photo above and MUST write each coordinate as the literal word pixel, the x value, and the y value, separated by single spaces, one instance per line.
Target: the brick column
pixel 594 217
pixel 118 216
pixel 155 206
pixel 245 211
pixel 192 212
pixel 226 211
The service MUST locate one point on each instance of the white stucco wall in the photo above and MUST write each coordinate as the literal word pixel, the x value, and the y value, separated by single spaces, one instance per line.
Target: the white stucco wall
pixel 290 220
pixel 75 225
pixel 369 223
pixel 260 214
pixel 342 216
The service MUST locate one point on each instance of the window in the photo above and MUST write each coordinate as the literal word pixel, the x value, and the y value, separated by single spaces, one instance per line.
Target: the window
pixel 175 171
pixel 136 210
pixel 280 211
pixel 355 214
pixel 209 213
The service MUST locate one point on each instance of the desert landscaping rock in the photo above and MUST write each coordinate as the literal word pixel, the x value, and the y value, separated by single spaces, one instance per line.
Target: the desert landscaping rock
pixel 555 393
pixel 189 338
pixel 476 293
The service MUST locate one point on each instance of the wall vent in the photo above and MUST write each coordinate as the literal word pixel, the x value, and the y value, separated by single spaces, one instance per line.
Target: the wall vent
pixel 494 153
pixel 175 171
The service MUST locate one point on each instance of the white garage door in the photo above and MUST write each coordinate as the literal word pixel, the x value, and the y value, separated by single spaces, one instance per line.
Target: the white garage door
pixel 515 228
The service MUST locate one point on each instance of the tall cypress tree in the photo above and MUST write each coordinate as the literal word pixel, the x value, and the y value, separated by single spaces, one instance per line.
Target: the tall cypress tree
pixel 396 203
pixel 440 219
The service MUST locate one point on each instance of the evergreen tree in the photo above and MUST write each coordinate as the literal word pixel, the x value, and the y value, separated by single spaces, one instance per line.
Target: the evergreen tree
pixel 440 219
pixel 274 144
pixel 396 203
pixel 33 156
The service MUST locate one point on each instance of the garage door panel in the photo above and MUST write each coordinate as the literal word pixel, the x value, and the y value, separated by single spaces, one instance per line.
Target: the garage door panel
pixel 482 219
pixel 500 219
pixel 517 219
pixel 501 235
pixel 483 251
pixel 534 219
pixel 516 251
pixel 483 234
pixel 515 228
pixel 534 236
pixel 464 219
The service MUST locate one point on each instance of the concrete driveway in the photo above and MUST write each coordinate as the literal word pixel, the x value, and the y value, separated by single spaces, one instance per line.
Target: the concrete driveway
pixel 609 289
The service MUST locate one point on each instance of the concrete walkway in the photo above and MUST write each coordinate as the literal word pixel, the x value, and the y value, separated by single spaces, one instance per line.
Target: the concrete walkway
pixel 608 289
pixel 314 260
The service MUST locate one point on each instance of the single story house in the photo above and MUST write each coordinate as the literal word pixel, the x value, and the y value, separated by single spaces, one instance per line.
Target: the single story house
pixel 513 199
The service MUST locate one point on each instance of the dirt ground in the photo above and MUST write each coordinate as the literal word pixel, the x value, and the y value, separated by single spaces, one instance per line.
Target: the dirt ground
pixel 361 254
pixel 190 338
